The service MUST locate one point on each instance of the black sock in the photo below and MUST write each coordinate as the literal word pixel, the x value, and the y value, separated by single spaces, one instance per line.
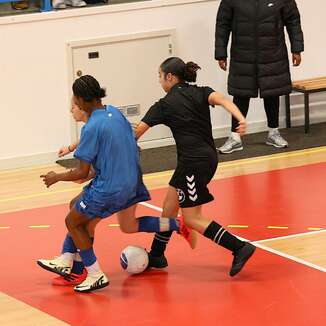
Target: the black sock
pixel 219 235
pixel 159 243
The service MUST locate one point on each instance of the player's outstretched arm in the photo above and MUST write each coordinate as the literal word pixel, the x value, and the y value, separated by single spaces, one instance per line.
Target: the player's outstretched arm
pixel 65 150
pixel 216 98
pixel 140 129
pixel 91 175
pixel 81 172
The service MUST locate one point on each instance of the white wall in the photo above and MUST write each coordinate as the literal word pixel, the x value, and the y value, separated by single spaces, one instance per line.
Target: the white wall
pixel 35 119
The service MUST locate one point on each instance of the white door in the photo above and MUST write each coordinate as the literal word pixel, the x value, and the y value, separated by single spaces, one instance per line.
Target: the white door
pixel 127 67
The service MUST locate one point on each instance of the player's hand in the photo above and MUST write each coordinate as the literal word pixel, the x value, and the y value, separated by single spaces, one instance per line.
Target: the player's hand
pixel 134 126
pixel 49 179
pixel 296 59
pixel 223 64
pixel 242 127
pixel 63 151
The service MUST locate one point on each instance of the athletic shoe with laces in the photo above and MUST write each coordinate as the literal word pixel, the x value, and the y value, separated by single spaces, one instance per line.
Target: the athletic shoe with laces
pixel 189 234
pixel 75 3
pixel 71 279
pixel 275 139
pixel 231 145
pixel 57 265
pixel 59 4
pixel 93 281
pixel 241 257
pixel 157 261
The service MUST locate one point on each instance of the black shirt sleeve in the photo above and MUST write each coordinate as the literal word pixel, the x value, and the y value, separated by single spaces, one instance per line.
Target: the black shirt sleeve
pixel 207 91
pixel 155 115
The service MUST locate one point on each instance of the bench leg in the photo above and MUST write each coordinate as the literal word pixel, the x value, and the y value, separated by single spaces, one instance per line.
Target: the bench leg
pixel 287 111
pixel 306 112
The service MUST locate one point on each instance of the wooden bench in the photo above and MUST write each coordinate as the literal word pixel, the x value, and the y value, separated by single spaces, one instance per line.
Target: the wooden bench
pixel 307 86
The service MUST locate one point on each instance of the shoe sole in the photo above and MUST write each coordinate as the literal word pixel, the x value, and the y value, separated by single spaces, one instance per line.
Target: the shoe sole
pixel 51 269
pixel 231 151
pixel 277 146
pixel 245 260
pixel 93 289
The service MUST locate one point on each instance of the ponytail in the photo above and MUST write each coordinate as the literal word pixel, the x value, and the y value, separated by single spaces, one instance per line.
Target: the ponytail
pixel 184 71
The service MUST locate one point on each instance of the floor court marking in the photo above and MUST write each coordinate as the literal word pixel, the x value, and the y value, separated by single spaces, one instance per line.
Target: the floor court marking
pixel 239 163
pixel 300 152
pixel 292 236
pixel 236 163
pixel 279 253
pixel 259 245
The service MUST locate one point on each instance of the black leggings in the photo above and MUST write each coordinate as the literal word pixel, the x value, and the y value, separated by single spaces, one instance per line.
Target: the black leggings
pixel 271 105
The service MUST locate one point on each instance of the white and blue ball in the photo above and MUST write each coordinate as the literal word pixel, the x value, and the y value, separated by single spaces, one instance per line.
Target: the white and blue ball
pixel 134 259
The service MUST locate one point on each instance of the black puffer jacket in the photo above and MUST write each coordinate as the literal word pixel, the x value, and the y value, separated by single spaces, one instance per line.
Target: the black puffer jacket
pixel 259 58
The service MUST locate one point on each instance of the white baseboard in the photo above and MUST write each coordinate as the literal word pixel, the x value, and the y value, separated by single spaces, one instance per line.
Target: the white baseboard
pixel 297 119
pixel 28 161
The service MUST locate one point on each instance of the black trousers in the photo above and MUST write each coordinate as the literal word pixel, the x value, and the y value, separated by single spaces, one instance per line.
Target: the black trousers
pixel 271 105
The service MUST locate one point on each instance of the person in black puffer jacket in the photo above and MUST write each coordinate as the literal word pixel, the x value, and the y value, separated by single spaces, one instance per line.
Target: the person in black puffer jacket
pixel 259 62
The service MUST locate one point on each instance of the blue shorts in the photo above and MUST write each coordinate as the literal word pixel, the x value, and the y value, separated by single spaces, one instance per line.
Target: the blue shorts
pixel 94 204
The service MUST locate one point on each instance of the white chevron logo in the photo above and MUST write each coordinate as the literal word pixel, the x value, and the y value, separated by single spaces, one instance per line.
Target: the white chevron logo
pixel 192 192
pixel 191 185
pixel 193 198
pixel 190 179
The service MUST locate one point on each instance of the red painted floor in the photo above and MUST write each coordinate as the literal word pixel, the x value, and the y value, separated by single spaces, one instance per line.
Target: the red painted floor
pixel 196 288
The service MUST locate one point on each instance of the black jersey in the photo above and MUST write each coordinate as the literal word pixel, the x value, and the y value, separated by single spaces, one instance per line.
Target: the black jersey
pixel 185 110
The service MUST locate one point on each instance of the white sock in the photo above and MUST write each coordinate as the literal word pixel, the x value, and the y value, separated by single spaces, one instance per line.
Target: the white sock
pixel 68 257
pixel 236 136
pixel 272 131
pixel 93 269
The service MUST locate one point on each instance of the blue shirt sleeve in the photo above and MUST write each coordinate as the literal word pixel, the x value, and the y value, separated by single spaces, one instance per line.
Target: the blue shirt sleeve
pixel 88 147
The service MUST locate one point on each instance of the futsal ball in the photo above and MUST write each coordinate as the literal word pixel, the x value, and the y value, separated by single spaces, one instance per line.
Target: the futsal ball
pixel 134 259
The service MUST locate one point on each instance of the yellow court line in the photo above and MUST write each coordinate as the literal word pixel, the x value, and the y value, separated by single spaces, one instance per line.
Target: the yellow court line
pixel 162 174
pixel 113 225
pixel 238 226
pixel 39 226
pixel 4 227
pixel 314 229
pixel 277 227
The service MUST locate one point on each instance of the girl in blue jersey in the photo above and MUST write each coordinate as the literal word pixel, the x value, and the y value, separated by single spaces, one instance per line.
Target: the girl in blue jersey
pixel 107 144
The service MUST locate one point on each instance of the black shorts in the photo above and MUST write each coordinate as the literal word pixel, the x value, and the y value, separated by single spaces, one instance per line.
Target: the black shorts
pixel 191 183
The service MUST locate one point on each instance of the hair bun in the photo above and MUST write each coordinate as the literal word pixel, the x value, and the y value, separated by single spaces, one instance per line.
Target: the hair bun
pixel 190 74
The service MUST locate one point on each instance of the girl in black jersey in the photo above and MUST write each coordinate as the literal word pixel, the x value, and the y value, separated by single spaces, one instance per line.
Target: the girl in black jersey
pixel 186 111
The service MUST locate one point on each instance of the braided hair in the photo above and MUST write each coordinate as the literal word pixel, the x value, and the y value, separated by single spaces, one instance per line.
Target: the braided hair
pixel 177 67
pixel 88 88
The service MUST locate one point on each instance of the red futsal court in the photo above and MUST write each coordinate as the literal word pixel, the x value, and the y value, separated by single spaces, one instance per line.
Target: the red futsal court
pixel 195 289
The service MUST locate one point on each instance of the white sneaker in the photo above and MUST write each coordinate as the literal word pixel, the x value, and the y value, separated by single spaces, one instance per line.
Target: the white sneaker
pixel 57 265
pixel 58 4
pixel 230 146
pixel 93 281
pixel 75 3
pixel 275 139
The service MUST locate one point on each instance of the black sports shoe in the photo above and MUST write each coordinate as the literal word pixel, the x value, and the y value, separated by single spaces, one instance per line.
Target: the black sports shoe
pixel 157 262
pixel 241 257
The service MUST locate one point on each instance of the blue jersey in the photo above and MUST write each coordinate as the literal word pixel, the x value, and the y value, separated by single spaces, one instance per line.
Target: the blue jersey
pixel 108 143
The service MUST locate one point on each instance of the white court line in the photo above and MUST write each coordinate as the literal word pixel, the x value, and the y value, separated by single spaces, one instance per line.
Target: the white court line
pixel 159 209
pixel 298 260
pixel 291 236
pixel 259 245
